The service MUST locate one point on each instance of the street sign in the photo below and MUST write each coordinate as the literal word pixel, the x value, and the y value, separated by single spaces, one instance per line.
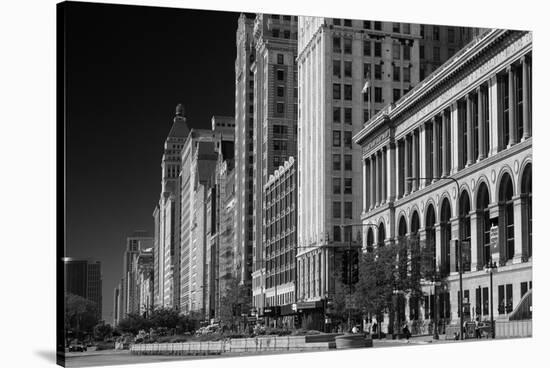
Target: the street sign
pixel 493 239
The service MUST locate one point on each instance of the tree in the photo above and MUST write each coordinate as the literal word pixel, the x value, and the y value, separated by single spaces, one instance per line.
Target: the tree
pixel 102 330
pixel 234 302
pixel 164 317
pixel 400 268
pixel 133 323
pixel 80 315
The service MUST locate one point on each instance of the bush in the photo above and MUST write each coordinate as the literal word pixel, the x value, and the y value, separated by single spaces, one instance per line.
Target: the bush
pixel 304 332
pixel 105 345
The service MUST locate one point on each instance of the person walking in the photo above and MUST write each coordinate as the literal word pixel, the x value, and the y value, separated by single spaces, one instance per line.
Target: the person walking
pixel 406 332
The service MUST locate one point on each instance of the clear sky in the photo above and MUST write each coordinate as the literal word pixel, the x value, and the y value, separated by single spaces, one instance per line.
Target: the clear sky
pixel 127 67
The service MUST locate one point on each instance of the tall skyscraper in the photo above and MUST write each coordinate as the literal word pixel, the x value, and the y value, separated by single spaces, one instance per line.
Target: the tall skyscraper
pixel 136 243
pixel 275 114
pixel 83 278
pixel 348 70
pixel 167 217
pixel 244 148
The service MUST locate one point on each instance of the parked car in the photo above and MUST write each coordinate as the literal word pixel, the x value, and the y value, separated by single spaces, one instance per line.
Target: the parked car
pixel 77 347
pixel 484 329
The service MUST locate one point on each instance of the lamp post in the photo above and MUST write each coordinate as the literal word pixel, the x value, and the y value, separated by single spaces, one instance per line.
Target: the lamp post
pixel 436 306
pixel 490 268
pixel 349 265
pixel 459 247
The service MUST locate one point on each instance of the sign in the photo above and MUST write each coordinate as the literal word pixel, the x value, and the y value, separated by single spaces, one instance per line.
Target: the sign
pixel 493 239
pixel 294 307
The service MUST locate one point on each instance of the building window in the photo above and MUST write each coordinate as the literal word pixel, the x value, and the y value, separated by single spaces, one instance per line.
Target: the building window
pixel 450 35
pixel 336 232
pixel 396 73
pixel 280 91
pixel 396 94
pixel 347 69
pixel 437 56
pixel 286 33
pixel 378 26
pixel 378 49
pixel 366 116
pixel 406 52
pixel 280 75
pixel 275 33
pixel 336 210
pixel 347 22
pixel 377 94
pixel 336 162
pixel 347 139
pixel 347 162
pixel 396 51
pixel 336 91
pixel 336 112
pixel 347 115
pixel 465 233
pixel 366 71
pixel 347 185
pixel 347 45
pixel 336 186
pixel 377 71
pixel 395 27
pixel 336 21
pixel 347 92
pixel 435 33
pixel 366 24
pixel 280 107
pixel 507 211
pixel 336 138
pixel 406 28
pixel 366 48
pixel 421 52
pixel 336 70
pixel 280 59
pixel 407 75
pixel 336 44
pixel 348 210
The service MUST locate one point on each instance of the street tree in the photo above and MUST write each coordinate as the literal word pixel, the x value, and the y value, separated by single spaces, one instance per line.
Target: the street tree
pixel 80 316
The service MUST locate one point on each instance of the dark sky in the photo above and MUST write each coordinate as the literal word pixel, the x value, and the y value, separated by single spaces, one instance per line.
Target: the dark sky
pixel 127 68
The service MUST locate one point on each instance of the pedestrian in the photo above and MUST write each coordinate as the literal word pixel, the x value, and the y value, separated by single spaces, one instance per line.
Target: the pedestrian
pixel 406 332
pixel 354 330
pixel 374 327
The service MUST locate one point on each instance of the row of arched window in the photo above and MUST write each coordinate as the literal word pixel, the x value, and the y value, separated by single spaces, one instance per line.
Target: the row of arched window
pixel 505 222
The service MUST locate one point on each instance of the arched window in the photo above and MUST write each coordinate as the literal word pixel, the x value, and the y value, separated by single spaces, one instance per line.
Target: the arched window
pixel 381 234
pixel 465 232
pixel 445 221
pixel 506 207
pixel 484 226
pixel 430 235
pixel 527 206
pixel 415 264
pixel 370 241
pixel 402 242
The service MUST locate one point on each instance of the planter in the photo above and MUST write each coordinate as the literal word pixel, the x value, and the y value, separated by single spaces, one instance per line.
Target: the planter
pixel 351 341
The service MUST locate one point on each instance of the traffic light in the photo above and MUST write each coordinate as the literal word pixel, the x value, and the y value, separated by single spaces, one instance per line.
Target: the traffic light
pixel 354 267
pixel 329 307
pixel 296 321
pixel 345 267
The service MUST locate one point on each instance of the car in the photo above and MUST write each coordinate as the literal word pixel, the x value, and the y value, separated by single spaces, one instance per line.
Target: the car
pixel 77 347
pixel 484 329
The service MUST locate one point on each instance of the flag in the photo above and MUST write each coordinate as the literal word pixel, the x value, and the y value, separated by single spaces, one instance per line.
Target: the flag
pixel 367 84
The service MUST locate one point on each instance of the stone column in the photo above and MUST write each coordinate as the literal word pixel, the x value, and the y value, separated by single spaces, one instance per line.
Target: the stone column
pixel 365 199
pixel 435 145
pixel 518 233
pixel 376 177
pixel 406 165
pixel 385 174
pixel 454 138
pixel 474 240
pixel 526 89
pixel 445 153
pixel 438 244
pixel 511 105
pixel 391 174
pixel 493 115
pixel 414 162
pixel 469 131
pixel 455 238
pixel 480 124
pixel 371 183
pixel 398 171
pixel 379 177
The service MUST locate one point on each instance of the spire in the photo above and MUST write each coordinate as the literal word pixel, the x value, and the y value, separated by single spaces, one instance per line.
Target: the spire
pixel 180 111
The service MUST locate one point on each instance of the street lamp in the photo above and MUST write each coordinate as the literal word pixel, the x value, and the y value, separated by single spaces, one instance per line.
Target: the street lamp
pixel 490 268
pixel 459 247
pixel 350 265
pixel 436 305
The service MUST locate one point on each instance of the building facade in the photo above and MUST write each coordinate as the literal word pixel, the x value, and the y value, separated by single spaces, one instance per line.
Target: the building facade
pixel 244 148
pixel 144 281
pixel 275 113
pixel 167 217
pixel 279 239
pixel 451 163
pixel 83 278
pixel 135 244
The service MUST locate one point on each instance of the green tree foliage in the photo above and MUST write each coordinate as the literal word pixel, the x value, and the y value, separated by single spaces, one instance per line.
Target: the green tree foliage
pixel 102 330
pixel 234 302
pixel 80 315
pixel 133 323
